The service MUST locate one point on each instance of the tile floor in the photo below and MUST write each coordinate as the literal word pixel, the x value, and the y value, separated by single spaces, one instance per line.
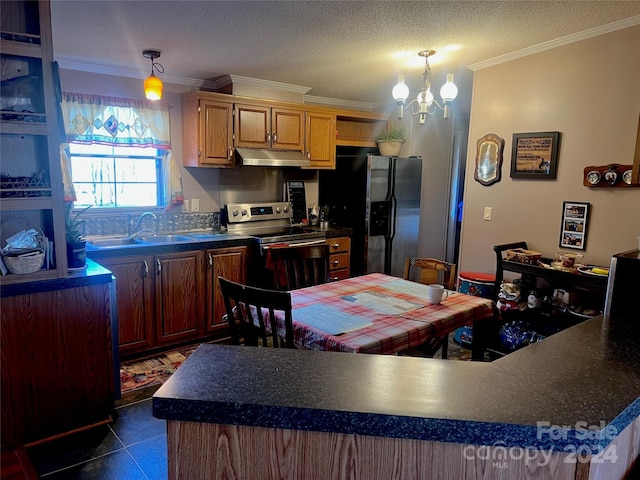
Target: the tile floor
pixel 132 447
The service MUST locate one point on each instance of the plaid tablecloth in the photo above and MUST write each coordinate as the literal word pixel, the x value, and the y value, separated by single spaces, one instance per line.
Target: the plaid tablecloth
pixel 388 333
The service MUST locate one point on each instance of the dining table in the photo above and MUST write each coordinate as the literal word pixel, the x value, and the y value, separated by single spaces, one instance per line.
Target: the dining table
pixel 378 313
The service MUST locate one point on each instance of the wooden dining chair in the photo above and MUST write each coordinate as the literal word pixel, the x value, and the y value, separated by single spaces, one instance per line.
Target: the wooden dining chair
pixel 251 309
pixel 428 271
pixel 299 267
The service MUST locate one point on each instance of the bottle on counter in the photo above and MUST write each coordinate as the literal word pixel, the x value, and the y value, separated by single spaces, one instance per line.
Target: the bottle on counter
pixel 313 215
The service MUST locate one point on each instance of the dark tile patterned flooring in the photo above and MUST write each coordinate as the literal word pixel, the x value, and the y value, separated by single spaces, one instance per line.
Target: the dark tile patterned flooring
pixel 132 447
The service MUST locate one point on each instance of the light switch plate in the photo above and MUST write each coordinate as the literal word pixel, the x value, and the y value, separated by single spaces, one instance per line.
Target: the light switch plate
pixel 195 204
pixel 487 213
pixel 185 206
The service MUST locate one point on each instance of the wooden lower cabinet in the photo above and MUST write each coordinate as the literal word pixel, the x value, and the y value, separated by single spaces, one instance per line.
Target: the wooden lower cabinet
pixel 340 248
pixel 172 298
pixel 135 301
pixel 57 362
pixel 179 297
pixel 230 263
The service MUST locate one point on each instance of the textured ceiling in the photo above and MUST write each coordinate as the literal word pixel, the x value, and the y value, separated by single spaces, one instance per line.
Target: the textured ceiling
pixel 344 50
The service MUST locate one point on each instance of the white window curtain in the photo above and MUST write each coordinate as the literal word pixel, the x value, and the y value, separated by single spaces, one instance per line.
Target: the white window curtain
pixel 119 122
pixel 114 121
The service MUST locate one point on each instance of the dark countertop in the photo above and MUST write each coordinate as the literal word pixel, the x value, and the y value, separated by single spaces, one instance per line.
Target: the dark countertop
pixel 220 240
pixel 587 376
pixel 94 274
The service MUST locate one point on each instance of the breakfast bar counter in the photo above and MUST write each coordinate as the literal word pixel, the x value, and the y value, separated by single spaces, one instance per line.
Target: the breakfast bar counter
pixel 566 407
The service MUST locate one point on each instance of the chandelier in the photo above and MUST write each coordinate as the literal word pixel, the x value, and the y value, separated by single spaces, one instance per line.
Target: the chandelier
pixel 425 103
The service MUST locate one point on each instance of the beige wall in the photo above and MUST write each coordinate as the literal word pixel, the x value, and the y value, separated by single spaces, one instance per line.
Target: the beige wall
pixel 590 92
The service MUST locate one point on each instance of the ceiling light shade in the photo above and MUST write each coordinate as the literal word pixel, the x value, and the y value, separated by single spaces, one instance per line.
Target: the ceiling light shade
pixel 449 91
pixel 153 85
pixel 425 99
pixel 400 93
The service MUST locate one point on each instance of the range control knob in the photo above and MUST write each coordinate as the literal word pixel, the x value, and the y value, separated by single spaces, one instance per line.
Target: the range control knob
pixel 285 209
pixel 235 213
pixel 277 209
pixel 244 212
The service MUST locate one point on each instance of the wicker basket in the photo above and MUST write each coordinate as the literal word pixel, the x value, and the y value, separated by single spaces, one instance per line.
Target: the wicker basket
pixel 24 264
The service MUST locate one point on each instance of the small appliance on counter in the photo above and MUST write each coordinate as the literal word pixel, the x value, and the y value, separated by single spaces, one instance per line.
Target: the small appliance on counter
pixel 622 287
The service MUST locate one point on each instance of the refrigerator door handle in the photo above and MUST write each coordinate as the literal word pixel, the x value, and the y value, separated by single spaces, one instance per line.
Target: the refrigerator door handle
pixel 392 220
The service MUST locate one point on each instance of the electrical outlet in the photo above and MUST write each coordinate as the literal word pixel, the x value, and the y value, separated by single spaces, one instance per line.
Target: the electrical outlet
pixel 195 204
pixel 487 213
pixel 185 206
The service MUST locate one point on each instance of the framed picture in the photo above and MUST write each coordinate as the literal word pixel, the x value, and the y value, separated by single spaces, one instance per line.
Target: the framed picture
pixel 573 231
pixel 535 155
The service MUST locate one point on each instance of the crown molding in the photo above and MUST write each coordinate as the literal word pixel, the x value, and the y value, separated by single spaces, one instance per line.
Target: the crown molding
pixel 258 83
pixel 558 42
pixel 336 102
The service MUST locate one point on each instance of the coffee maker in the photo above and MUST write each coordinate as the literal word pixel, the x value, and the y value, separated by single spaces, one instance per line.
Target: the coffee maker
pixel 622 287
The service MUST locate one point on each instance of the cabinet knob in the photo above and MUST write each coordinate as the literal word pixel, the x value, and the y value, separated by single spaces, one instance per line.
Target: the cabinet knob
pixel 159 266
pixel 146 268
pixel 210 260
pixel 335 262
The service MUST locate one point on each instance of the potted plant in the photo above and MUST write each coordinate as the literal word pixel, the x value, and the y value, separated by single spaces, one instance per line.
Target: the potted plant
pixel 76 244
pixel 390 142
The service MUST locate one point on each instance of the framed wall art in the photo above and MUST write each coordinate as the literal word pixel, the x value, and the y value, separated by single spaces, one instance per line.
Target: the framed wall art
pixel 573 231
pixel 535 155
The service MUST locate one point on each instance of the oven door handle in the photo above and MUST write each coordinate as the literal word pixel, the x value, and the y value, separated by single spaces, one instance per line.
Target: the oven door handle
pixel 299 244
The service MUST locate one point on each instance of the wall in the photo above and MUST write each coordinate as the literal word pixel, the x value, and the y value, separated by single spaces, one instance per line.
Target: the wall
pixel 590 92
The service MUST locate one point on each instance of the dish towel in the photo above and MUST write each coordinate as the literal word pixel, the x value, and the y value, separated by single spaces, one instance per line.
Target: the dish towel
pixel 172 183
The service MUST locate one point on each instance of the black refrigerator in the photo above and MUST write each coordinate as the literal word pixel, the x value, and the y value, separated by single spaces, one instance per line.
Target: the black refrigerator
pixel 379 198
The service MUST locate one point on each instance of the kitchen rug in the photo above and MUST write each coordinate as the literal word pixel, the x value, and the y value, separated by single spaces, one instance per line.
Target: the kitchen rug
pixel 152 371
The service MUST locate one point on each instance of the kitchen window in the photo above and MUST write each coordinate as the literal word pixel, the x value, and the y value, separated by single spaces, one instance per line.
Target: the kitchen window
pixel 117 153
pixel 106 176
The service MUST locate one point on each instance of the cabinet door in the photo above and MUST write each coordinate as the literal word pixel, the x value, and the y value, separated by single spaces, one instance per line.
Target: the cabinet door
pixel 135 306
pixel 287 129
pixel 230 263
pixel 179 297
pixel 57 362
pixel 252 128
pixel 321 140
pixel 216 134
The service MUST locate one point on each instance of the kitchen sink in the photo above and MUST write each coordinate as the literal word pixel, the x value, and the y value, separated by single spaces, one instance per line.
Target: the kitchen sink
pixel 165 239
pixel 107 242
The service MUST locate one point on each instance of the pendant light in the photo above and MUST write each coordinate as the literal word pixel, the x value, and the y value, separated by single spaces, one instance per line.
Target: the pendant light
pixel 153 85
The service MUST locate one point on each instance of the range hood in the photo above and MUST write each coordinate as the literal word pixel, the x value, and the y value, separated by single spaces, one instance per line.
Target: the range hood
pixel 272 158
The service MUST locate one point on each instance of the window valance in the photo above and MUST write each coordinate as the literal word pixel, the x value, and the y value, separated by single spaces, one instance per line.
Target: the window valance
pixel 114 121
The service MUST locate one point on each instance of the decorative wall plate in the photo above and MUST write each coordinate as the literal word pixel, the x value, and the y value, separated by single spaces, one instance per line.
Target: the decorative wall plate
pixel 626 177
pixel 593 177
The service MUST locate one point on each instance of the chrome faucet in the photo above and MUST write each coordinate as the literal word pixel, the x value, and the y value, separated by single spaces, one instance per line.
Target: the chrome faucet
pixel 137 230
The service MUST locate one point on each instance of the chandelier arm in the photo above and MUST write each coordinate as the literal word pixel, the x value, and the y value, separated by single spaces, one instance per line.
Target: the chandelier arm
pixel 435 102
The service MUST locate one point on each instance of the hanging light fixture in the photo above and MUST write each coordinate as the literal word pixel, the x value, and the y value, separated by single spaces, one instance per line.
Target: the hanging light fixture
pixel 153 85
pixel 425 100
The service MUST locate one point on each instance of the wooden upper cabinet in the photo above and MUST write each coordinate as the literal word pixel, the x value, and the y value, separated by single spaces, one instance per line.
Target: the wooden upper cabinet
pixel 321 140
pixel 269 127
pixel 207 131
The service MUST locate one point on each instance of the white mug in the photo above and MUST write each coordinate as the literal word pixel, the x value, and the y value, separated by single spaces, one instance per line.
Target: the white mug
pixel 437 293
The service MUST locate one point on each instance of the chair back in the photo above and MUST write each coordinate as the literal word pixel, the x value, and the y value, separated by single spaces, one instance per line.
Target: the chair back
pixel 299 267
pixel 500 249
pixel 430 271
pixel 251 309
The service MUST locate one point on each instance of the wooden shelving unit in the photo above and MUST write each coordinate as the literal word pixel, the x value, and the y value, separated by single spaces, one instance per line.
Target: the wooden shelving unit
pixel 31 184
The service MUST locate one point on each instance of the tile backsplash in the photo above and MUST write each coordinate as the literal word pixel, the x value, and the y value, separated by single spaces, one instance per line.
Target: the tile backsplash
pixel 123 224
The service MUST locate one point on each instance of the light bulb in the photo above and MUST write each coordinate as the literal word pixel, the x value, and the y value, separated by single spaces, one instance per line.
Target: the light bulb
pixel 449 91
pixel 400 92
